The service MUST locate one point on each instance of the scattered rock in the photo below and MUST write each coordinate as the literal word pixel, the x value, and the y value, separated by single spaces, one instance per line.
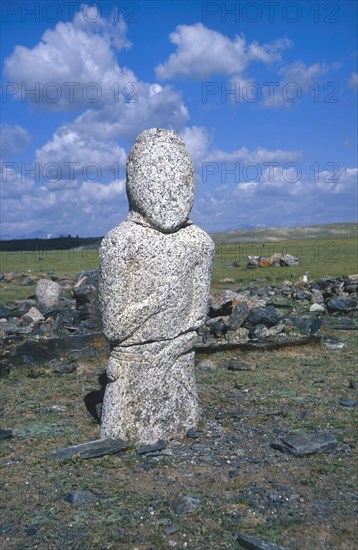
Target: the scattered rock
pixel 317 308
pixel 334 343
pixel 81 497
pixel 193 434
pixel 206 365
pixel 159 446
pixel 348 402
pixel 5 434
pixel 222 303
pixel 48 293
pixel 254 543
pixel 306 444
pixel 66 368
pixel 263 316
pixel 341 305
pixel 33 316
pixel 238 316
pixel 186 504
pixel 92 449
pixel 237 365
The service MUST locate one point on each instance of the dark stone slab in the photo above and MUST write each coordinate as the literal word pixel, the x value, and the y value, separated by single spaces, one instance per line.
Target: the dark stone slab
pixel 92 449
pixel 342 323
pixel 306 444
pixel 254 543
pixel 81 497
pixel 238 316
pixel 5 434
pixel 272 342
pixel 193 434
pixel 348 402
pixel 341 305
pixel 237 365
pixel 19 351
pixel 159 446
pixel 263 316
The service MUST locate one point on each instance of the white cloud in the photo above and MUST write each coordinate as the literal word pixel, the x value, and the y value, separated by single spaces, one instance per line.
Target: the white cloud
pixel 71 155
pixel 278 200
pixel 202 52
pixel 198 141
pixel 149 106
pixel 73 66
pixel 13 184
pixel 13 140
pixel 90 209
pixel 297 78
pixel 353 81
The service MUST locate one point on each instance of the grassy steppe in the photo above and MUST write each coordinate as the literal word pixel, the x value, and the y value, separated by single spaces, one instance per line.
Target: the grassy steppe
pixel 318 256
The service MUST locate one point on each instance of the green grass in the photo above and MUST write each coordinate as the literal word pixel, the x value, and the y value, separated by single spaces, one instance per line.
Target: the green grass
pixel 319 257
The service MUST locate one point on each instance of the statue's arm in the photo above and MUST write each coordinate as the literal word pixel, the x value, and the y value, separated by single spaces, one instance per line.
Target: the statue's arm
pixel 202 280
pixel 121 315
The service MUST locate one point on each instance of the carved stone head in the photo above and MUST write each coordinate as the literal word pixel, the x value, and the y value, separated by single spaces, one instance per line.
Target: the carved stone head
pixel 160 179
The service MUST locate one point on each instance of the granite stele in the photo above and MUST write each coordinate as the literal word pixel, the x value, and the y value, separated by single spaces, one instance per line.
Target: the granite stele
pixel 154 286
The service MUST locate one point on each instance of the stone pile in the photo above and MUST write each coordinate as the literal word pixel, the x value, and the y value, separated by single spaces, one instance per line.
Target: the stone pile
pixel 276 313
pixel 262 315
pixel 276 260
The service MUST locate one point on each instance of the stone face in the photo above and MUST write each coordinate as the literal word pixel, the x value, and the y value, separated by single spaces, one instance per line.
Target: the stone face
pixel 48 293
pixel 153 289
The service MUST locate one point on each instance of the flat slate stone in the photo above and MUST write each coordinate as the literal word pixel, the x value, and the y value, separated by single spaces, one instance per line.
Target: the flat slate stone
pixel 253 543
pixel 81 496
pixel 306 444
pixel 159 446
pixel 348 402
pixel 5 434
pixel 92 449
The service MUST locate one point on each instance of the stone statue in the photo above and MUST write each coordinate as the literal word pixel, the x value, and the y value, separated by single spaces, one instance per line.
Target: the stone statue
pixel 154 285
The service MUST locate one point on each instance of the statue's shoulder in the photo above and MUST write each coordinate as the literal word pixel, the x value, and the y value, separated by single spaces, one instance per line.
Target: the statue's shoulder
pixel 201 237
pixel 118 237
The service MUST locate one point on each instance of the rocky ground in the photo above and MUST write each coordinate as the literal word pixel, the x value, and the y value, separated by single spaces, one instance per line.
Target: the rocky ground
pixel 272 463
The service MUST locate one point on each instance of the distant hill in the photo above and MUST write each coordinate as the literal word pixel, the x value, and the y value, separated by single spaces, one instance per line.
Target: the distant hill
pixel 58 243
pixel 258 234
pixel 273 234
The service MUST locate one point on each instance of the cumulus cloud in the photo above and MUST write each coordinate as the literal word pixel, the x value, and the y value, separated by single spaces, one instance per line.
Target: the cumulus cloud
pixel 297 78
pixel 72 66
pixel 202 52
pixel 71 154
pixel 90 209
pixel 280 199
pixel 198 142
pixel 353 81
pixel 13 184
pixel 13 140
pixel 151 105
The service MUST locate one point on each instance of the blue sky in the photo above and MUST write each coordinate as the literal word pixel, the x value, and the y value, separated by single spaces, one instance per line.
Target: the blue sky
pixel 263 93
